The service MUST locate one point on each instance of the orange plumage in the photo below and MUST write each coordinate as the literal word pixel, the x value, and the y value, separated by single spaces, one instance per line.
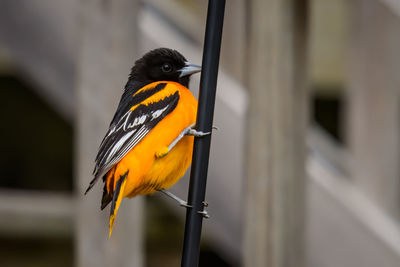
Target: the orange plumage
pixel 144 149
pixel 149 172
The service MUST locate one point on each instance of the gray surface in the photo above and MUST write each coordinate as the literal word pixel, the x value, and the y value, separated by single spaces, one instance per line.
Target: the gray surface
pixel 276 124
pixel 35 214
pixel 106 55
pixel 40 37
pixel 344 227
pixel 374 103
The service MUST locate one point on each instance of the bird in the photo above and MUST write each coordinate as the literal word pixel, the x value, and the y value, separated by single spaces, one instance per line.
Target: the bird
pixel 149 143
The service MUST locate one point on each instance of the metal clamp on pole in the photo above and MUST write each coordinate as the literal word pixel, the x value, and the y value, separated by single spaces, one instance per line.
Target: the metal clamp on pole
pixel 201 150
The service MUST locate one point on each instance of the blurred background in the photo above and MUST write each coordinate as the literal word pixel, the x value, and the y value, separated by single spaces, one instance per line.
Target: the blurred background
pixel 304 169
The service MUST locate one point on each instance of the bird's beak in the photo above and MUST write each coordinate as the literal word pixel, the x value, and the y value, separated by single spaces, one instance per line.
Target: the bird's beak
pixel 189 69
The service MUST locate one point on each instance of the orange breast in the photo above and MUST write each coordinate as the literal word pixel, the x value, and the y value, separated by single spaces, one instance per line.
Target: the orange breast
pixel 148 173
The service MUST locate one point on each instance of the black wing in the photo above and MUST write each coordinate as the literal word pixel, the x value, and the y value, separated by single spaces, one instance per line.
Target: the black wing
pixel 127 130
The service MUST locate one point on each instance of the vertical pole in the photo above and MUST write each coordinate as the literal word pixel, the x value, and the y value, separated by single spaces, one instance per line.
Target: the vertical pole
pixel 201 151
pixel 373 103
pixel 276 124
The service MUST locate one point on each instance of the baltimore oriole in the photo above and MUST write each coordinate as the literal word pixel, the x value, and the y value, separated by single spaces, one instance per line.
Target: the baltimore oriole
pixel 148 146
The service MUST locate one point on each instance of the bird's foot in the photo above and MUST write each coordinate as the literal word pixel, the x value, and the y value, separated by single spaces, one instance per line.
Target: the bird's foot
pixel 181 202
pixel 162 152
pixel 204 213
pixel 196 133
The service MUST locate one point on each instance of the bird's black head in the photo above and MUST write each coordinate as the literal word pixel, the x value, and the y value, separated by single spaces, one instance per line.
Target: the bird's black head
pixel 163 64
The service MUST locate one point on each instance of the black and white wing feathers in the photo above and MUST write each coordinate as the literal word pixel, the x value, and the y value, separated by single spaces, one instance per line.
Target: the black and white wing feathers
pixel 129 128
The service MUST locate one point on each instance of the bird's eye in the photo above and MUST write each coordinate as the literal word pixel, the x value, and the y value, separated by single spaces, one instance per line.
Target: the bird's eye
pixel 166 67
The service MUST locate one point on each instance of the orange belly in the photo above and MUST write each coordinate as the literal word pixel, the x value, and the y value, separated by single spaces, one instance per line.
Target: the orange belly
pixel 148 173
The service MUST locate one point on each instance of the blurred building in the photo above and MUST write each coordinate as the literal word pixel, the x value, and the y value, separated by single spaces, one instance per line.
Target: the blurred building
pixel 63 65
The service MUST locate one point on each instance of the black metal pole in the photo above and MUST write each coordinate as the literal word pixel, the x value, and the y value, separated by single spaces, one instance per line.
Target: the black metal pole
pixel 201 150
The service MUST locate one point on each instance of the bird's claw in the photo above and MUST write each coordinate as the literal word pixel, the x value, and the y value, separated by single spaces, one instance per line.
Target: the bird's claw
pixel 204 213
pixel 162 152
pixel 192 131
pixel 185 204
pixel 196 133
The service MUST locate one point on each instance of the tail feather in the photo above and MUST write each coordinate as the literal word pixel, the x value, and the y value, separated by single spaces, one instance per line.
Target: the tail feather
pixel 107 197
pixel 91 184
pixel 116 200
pixel 108 189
